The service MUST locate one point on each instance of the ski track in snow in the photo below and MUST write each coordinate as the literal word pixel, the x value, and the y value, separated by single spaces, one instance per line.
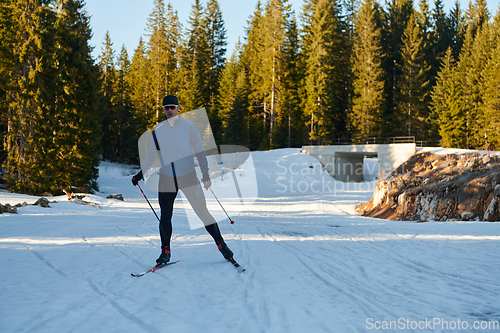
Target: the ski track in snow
pixel 312 265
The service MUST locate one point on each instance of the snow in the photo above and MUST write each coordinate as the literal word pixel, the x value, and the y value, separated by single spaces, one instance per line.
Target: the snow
pixel 312 264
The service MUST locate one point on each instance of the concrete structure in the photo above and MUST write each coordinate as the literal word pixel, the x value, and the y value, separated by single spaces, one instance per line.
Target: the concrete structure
pixel 345 162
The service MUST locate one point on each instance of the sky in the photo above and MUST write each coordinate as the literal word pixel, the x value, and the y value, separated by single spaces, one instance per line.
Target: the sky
pixel 126 19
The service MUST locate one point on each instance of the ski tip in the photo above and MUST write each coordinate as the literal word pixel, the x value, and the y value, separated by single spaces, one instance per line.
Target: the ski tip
pixel 236 265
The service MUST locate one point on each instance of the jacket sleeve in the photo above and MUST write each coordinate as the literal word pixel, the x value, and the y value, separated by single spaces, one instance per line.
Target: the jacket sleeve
pixel 150 157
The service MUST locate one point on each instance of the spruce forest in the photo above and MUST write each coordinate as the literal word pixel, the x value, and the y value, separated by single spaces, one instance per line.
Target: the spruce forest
pixel 339 71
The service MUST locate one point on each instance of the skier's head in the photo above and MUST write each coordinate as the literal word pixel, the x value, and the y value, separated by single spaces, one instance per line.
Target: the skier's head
pixel 170 106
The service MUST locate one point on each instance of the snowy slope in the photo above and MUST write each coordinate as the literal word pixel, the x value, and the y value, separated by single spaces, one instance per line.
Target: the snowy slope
pixel 312 265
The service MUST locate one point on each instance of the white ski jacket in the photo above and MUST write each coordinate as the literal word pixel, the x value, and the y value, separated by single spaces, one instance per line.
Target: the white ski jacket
pixel 179 140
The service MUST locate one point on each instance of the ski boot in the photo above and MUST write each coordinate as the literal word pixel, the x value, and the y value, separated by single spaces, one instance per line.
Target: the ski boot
pixel 226 252
pixel 164 257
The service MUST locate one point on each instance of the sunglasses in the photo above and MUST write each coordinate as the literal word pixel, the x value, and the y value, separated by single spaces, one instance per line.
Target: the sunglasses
pixel 169 107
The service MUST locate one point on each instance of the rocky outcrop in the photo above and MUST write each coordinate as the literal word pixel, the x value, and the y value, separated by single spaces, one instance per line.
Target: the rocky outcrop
pixel 117 196
pixel 7 208
pixel 78 199
pixel 430 187
pixel 42 202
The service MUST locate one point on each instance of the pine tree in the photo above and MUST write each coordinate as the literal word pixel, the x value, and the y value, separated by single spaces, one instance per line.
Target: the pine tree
pixel 164 35
pixel 156 53
pixel 277 13
pixel 395 21
pixel 423 20
pixel 368 99
pixel 215 31
pixel 140 83
pixel 463 80
pixel 351 9
pixel 473 59
pixel 123 92
pixel 193 60
pixel 263 59
pixel 76 136
pixel 475 86
pixel 252 60
pixel 216 42
pixel 456 22
pixel 440 38
pixel 491 97
pixel 32 26
pixel 414 83
pixel 291 124
pixel 476 16
pixel 326 49
pixel 232 111
pixel 446 110
pixel 172 50
pixel 7 61
pixel 468 116
pixel 53 123
pixel 430 51
pixel 110 113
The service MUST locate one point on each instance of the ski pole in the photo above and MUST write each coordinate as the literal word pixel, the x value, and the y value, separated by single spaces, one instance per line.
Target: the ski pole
pixel 230 220
pixel 148 202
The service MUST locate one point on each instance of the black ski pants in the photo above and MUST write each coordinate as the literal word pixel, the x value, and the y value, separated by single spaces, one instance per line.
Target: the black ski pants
pixel 191 188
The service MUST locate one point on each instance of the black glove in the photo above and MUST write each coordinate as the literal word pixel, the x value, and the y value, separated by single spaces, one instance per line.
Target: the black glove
pixel 136 178
pixel 207 183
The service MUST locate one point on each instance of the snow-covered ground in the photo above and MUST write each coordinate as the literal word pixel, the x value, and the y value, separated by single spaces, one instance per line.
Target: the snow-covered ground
pixel 312 264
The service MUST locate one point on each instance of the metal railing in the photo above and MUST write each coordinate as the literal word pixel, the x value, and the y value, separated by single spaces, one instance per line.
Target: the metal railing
pixel 372 140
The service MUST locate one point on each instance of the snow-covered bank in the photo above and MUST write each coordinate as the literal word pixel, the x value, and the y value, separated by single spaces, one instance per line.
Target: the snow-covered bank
pixel 312 264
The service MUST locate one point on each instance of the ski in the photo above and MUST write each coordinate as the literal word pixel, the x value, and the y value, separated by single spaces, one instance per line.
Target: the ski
pixel 154 268
pixel 235 264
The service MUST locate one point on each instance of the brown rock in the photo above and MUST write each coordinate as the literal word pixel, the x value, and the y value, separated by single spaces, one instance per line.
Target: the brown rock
pixel 42 202
pixel 7 208
pixel 439 187
pixel 116 196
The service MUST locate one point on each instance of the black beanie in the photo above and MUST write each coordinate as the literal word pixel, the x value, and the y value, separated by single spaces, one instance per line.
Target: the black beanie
pixel 170 100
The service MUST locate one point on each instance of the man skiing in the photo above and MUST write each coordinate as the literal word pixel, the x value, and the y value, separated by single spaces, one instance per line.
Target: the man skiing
pixel 177 138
